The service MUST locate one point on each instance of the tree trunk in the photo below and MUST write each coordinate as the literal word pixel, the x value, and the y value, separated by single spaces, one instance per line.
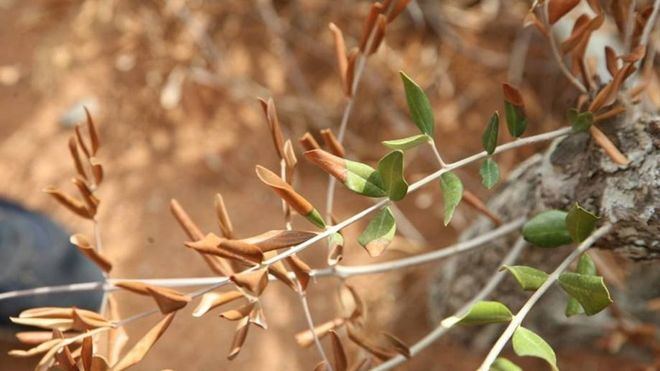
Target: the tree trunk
pixel 573 169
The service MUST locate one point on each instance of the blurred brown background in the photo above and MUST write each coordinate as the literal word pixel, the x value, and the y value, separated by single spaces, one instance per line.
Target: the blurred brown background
pixel 173 86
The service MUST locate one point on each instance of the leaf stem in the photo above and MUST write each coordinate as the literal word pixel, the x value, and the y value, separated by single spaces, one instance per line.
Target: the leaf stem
pixel 520 316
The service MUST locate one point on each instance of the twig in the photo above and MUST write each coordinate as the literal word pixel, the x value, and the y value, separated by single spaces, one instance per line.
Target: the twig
pixel 449 322
pixel 520 316
pixel 650 24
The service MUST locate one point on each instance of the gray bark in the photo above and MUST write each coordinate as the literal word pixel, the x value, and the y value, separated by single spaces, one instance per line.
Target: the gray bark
pixel 573 169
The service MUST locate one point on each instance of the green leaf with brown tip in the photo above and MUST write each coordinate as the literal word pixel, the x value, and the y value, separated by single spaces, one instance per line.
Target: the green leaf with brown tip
pixel 580 121
pixel 315 218
pixel 379 232
pixel 452 193
pixel 390 168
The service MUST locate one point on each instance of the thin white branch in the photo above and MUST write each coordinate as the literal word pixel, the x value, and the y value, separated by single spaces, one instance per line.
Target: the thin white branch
pixel 520 316
pixel 461 247
pixel 448 323
pixel 215 282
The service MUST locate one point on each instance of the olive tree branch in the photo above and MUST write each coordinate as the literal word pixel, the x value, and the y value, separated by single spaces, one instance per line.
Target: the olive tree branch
pixel 449 322
pixel 552 278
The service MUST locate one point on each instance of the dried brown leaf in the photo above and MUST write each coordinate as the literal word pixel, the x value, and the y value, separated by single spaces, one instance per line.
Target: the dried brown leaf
pixel 278 270
pixel 559 8
pixel 308 142
pixel 239 337
pixel 375 10
pixel 81 142
pixel 223 217
pixel 398 345
pixel 97 170
pixel 142 347
pixel 306 338
pixel 39 349
pixel 339 354
pixel 284 190
pixel 608 94
pixel 379 35
pixel 475 202
pixel 73 149
pixel 340 52
pixel 236 314
pixel 93 133
pixel 91 202
pixel 512 95
pixel 331 164
pixel 85 247
pixel 83 322
pixel 611 60
pixel 350 70
pixel 322 366
pixel 87 353
pixel 606 144
pixel 74 204
pixel 365 343
pixel 241 248
pixel 636 54
pixel 333 144
pixel 62 324
pixel 58 312
pixel 33 337
pixel 397 9
pixel 168 300
pixel 117 336
pixel 257 316
pixel 213 300
pixel 290 157
pixel 99 363
pixel 273 124
pixel 278 239
pixel 218 266
pixel 254 281
pixel 300 269
pixel 581 33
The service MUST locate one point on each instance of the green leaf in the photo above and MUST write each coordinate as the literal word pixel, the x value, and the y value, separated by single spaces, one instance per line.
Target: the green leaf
pixel 419 106
pixel 527 343
pixel 580 121
pixel 452 192
pixel 529 278
pixel 407 143
pixel 516 121
pixel 490 173
pixel 585 266
pixel 503 364
pixel 315 218
pixel 484 312
pixel 547 229
pixel 379 232
pixel 580 223
pixel 489 138
pixel 589 291
pixel 363 179
pixel 390 168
